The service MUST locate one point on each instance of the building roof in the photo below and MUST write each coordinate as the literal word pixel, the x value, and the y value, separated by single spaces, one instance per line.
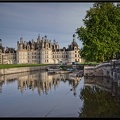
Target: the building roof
pixel 9 50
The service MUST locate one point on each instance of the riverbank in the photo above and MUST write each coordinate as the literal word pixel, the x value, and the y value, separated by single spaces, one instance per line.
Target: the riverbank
pixel 5 66
pixel 21 69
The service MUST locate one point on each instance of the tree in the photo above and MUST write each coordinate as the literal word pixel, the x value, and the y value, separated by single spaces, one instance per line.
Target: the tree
pixel 101 34
pixel 98 103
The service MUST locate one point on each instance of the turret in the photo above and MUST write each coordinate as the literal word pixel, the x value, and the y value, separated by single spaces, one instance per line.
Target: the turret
pixel 38 39
pixel 21 43
pixel 32 41
pixel 43 39
pixel 21 40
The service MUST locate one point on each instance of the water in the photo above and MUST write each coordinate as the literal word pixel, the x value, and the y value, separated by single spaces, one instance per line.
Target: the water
pixel 39 94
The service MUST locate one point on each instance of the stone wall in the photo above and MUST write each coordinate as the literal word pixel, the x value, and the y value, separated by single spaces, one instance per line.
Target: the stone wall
pixel 102 70
pixel 21 69
pixel 111 70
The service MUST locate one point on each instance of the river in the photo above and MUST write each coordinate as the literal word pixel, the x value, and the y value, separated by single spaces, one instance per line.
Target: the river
pixel 39 94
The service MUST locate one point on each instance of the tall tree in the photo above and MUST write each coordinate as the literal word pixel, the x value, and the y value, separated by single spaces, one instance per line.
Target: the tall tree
pixel 101 34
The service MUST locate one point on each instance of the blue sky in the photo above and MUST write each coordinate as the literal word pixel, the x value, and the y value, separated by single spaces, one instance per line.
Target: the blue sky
pixel 58 21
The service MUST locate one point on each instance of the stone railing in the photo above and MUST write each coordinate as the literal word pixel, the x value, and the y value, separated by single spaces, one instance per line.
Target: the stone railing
pixel 99 70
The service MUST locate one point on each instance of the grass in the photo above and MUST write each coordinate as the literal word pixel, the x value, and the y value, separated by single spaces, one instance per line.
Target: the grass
pixel 90 63
pixel 4 66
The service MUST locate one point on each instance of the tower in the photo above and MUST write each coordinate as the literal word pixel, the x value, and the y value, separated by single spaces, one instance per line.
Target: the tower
pixel 38 39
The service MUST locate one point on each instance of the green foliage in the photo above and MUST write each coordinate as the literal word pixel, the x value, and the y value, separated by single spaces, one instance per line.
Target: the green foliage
pixel 63 67
pixel 101 34
pixel 90 63
pixel 98 103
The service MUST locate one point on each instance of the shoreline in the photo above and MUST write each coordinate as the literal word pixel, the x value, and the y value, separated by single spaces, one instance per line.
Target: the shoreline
pixel 6 71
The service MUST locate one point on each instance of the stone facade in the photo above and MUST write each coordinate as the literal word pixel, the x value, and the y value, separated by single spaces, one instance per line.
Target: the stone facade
pixel 8 55
pixel 44 51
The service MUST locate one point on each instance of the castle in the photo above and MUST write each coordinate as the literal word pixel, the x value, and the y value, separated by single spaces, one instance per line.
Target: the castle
pixel 43 51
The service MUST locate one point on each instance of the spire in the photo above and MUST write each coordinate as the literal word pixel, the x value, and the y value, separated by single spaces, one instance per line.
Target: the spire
pixel 74 40
pixel 73 37
pixel 38 36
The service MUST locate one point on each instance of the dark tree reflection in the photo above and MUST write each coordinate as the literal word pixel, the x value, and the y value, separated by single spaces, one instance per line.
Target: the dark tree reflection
pixel 98 103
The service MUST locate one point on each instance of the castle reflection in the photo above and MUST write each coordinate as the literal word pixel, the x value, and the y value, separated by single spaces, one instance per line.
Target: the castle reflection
pixel 40 80
pixel 44 81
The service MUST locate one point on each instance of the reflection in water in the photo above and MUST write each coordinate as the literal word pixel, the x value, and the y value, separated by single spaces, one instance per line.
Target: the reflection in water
pixel 98 96
pixel 1 82
pixel 56 95
pixel 41 80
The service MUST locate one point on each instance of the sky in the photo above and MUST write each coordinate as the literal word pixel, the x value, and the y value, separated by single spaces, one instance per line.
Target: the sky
pixel 58 21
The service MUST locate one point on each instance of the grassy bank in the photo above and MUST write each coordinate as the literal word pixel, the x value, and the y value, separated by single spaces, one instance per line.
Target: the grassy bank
pixel 3 66
pixel 90 63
